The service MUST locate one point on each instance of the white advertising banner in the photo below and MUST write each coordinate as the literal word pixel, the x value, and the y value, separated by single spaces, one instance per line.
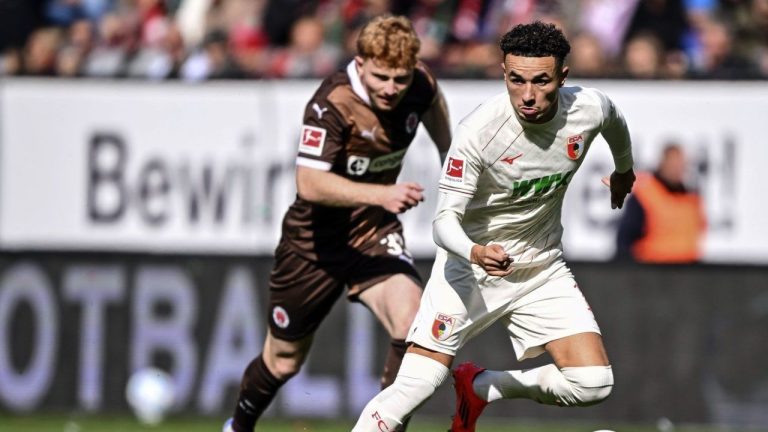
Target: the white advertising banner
pixel 175 168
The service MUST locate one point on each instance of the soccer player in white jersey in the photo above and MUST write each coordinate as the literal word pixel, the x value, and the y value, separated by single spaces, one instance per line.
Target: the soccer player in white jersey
pixel 499 236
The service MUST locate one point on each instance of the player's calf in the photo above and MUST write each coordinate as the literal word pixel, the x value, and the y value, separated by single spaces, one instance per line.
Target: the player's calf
pixel 416 381
pixel 257 389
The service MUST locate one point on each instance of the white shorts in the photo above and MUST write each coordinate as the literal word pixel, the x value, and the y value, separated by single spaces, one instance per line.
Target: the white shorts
pixel 537 305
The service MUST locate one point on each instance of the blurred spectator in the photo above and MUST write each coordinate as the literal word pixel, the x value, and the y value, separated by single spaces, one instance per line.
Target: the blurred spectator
pixel 213 61
pixel 40 52
pixel 10 62
pixel 249 48
pixel 191 19
pixel 644 57
pixel 432 22
pixel 663 220
pixel 307 55
pixel 248 44
pixel 667 19
pixel 81 35
pixel 156 39
pixel 502 15
pixel 365 10
pixel 159 58
pixel 608 21
pixel 115 43
pixel 18 19
pixel 66 12
pixel 466 23
pixel 755 24
pixel 69 62
pixel 280 18
pixel 717 58
pixel 587 58
pixel 470 60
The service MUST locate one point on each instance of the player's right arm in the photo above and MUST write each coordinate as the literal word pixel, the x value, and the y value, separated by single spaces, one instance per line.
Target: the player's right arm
pixel 322 142
pixel 457 188
pixel 326 188
pixel 449 235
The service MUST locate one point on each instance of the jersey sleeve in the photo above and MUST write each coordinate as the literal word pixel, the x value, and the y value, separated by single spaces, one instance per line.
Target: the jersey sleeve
pixel 463 165
pixel 616 134
pixel 322 136
pixel 447 231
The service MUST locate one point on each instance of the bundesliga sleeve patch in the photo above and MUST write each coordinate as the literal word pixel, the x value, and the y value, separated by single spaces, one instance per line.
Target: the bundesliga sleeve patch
pixel 312 140
pixel 454 170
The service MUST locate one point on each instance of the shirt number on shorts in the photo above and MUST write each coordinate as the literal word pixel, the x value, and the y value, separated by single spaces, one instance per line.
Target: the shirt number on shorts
pixel 396 246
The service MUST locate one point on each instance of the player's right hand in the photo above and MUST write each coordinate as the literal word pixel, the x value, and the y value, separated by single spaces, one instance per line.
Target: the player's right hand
pixel 493 259
pixel 400 197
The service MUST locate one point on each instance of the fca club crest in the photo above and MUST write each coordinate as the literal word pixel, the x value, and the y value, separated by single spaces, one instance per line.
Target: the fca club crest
pixel 575 146
pixel 443 326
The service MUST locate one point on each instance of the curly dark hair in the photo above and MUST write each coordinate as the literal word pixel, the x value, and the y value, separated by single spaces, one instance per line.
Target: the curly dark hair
pixel 536 39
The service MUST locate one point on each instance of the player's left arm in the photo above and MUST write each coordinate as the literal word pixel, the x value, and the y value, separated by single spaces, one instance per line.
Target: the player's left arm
pixel 437 122
pixel 616 134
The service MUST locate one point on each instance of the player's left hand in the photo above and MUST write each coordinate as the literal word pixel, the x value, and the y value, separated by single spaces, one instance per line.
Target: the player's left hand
pixel 620 185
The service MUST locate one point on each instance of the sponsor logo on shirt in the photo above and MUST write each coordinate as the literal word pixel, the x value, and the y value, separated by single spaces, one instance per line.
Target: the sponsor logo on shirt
pixel 392 160
pixel 511 159
pixel 442 327
pixel 312 140
pixel 575 146
pixel 454 170
pixel 540 186
pixel 357 165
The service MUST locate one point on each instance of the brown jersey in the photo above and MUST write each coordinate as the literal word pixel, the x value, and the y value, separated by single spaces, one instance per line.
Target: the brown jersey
pixel 344 135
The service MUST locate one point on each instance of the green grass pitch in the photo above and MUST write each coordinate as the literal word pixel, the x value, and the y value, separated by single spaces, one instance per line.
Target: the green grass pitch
pixel 85 423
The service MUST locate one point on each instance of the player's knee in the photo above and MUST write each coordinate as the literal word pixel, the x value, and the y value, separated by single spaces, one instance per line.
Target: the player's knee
pixel 285 367
pixel 417 389
pixel 589 385
pixel 400 329
pixel 400 314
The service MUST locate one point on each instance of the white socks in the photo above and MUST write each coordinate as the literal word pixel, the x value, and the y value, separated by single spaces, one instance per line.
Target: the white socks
pixel 571 386
pixel 416 381
pixel 419 376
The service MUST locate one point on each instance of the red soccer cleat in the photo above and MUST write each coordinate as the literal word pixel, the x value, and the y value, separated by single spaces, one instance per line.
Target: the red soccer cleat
pixel 468 405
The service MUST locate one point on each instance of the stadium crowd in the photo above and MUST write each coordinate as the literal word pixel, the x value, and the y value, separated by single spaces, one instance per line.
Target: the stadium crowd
pixel 196 40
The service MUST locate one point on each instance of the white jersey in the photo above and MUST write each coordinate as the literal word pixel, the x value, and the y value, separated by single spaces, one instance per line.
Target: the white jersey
pixel 515 173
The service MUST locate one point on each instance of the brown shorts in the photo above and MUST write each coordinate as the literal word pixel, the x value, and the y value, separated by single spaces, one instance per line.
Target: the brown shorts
pixel 302 292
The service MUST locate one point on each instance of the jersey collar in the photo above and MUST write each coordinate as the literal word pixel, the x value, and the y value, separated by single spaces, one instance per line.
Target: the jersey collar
pixel 357 85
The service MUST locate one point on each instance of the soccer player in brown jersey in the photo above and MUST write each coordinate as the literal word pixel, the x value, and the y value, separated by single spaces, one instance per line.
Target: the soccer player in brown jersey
pixel 342 230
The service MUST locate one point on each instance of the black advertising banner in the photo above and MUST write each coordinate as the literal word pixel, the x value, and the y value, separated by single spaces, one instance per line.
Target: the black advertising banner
pixel 686 343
